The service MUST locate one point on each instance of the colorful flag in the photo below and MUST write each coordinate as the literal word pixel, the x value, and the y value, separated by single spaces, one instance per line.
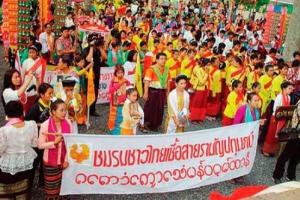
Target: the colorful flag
pixel 138 76
pixel 91 88
pixel 41 62
pixel 18 65
pixel 148 61
pixel 121 11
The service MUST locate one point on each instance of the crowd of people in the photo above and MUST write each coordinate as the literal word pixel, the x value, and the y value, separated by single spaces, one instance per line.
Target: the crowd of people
pixel 199 60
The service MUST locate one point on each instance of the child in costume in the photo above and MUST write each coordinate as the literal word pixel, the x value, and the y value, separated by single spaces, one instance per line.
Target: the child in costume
pixel 82 71
pixel 133 114
pixel 67 90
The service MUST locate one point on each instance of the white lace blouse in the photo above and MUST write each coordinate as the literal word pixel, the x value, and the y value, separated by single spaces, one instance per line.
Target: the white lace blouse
pixel 16 152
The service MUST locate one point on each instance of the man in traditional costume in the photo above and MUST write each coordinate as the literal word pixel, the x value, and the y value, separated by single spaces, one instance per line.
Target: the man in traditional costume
pixel 156 86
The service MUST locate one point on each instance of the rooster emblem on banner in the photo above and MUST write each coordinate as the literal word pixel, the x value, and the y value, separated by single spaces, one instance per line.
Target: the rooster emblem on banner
pixel 79 153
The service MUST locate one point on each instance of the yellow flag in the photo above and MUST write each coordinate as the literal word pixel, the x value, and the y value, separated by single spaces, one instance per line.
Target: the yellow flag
pixel 90 88
pixel 138 76
pixel 117 4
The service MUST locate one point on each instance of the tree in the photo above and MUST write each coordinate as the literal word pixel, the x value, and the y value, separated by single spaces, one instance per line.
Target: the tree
pixel 292 42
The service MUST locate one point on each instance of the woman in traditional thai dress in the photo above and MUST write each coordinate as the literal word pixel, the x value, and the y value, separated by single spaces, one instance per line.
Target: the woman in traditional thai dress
pixel 199 80
pixel 34 64
pixel 178 106
pixel 133 114
pixel 130 65
pixel 256 88
pixel 215 88
pixel 235 99
pixel 51 140
pixel 117 90
pixel 271 144
pixel 248 112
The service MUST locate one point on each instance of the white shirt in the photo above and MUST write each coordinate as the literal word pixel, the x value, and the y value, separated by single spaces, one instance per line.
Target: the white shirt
pixel 255 44
pixel 205 37
pixel 134 8
pixel 229 45
pixel 43 41
pixel 218 41
pixel 129 67
pixel 10 95
pixel 269 60
pixel 249 35
pixel 28 63
pixel 69 22
pixel 260 35
pixel 188 36
pixel 16 152
pixel 278 102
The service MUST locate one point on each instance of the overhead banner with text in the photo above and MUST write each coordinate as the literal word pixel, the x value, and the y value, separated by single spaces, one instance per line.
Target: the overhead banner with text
pixel 158 163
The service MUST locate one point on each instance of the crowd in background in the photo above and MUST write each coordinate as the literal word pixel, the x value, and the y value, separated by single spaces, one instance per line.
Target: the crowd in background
pixel 200 60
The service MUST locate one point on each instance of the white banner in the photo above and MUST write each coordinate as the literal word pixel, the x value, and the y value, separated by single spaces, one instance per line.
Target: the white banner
pixel 106 75
pixel 158 163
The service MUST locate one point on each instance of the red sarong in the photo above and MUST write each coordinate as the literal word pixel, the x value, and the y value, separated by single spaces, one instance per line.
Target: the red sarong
pixel 213 105
pixel 271 144
pixel 154 108
pixel 199 105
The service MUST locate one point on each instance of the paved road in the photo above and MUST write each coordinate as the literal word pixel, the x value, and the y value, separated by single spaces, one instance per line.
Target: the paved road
pixel 260 175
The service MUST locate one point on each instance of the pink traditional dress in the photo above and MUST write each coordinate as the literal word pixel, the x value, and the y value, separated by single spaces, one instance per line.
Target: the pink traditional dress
pixel 117 90
pixel 54 154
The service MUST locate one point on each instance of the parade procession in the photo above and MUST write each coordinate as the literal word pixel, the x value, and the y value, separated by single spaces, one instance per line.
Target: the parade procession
pixel 150 99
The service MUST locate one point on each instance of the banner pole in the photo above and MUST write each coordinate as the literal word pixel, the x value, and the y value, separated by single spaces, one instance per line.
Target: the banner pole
pixel 88 119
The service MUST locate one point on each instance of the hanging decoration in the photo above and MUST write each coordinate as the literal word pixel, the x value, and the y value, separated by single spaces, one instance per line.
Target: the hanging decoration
pixel 45 15
pixel 277 20
pixel 5 24
pixel 10 22
pixel 60 13
pixel 24 23
pixel 268 24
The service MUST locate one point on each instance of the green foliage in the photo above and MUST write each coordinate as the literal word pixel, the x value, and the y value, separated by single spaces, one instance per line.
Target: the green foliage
pixel 249 3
